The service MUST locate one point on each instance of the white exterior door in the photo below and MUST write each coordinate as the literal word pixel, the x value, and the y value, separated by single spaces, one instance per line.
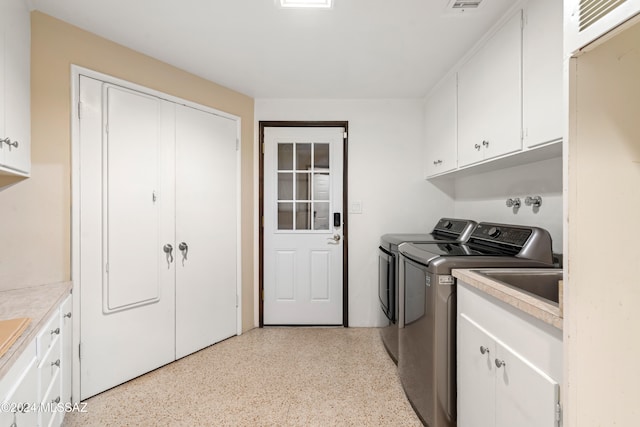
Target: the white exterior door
pixel 303 236
pixel 206 224
pixel 127 285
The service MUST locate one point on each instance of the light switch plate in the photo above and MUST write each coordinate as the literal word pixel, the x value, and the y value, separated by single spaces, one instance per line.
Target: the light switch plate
pixel 355 207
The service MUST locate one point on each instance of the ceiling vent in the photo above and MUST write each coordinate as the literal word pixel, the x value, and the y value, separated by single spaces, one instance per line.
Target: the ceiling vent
pixel 591 11
pixel 464 5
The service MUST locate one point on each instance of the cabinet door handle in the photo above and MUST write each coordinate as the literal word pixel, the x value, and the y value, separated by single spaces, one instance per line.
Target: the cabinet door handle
pixel 484 350
pixel 478 146
pixel 56 363
pixel 500 363
pixel 485 143
pixel 56 400
pixel 67 315
pixel 55 331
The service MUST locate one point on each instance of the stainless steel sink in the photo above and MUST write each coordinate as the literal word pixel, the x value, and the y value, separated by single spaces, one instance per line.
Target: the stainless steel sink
pixel 541 283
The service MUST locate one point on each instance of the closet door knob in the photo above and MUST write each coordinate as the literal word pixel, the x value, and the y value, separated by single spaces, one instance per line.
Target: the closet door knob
pixel 500 363
pixel 168 249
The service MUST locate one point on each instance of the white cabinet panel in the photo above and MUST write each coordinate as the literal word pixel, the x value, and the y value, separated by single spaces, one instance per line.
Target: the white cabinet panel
pixel 525 396
pixel 476 374
pixel 509 365
pixel 15 112
pixel 441 133
pixel 542 105
pixel 471 110
pixel 20 385
pixel 503 90
pixel 489 97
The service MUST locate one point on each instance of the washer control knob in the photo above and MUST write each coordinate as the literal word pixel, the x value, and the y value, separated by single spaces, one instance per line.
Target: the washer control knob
pixel 447 224
pixel 494 232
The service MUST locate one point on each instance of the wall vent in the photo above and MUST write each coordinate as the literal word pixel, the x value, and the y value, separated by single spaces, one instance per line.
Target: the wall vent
pixel 462 5
pixel 591 11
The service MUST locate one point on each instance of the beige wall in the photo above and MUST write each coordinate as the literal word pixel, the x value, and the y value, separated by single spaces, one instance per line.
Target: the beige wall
pixel 35 214
pixel 602 295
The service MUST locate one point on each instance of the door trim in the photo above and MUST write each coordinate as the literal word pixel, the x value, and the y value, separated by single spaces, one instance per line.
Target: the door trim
pixel 345 247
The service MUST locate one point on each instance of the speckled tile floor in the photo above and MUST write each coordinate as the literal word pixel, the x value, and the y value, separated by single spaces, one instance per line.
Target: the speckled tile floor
pixel 265 377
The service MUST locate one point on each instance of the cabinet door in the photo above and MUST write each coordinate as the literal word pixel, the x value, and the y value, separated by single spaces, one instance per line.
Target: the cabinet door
pixel 24 392
pixel 525 396
pixel 17 83
pixel 441 133
pixel 471 110
pixel 542 72
pixel 476 374
pixel 503 100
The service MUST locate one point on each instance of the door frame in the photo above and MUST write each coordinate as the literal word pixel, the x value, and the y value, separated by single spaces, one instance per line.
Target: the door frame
pixel 345 227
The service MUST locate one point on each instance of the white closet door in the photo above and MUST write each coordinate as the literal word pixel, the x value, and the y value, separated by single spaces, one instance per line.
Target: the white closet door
pixel 126 209
pixel 206 224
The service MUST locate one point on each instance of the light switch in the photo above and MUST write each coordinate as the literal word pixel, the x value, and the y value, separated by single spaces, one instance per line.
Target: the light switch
pixel 355 207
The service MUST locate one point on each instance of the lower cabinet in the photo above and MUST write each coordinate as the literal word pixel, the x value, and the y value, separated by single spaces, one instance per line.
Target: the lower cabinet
pixel 499 385
pixel 19 390
pixel 34 392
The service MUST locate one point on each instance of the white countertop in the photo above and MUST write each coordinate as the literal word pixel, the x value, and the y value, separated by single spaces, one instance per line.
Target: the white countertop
pixel 36 303
pixel 548 313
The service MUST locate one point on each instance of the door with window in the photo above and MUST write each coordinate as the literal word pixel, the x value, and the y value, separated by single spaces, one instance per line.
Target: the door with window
pixel 303 226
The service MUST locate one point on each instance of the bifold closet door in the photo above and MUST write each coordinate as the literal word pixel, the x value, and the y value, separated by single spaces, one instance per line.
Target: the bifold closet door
pixel 126 215
pixel 206 229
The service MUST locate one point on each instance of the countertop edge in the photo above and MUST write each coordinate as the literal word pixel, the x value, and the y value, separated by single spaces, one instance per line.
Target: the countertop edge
pixel 59 291
pixel 525 303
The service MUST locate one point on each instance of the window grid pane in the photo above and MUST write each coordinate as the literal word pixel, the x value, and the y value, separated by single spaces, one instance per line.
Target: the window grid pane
pixel 304 188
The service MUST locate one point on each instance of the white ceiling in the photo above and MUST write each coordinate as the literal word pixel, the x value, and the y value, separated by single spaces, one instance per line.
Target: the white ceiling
pixel 358 49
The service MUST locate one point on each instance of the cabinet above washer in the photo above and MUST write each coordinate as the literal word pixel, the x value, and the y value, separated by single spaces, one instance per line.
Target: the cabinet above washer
pixel 508 98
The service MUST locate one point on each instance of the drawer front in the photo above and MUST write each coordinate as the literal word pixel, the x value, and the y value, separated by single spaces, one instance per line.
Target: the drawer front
pixel 49 366
pixel 48 334
pixel 52 398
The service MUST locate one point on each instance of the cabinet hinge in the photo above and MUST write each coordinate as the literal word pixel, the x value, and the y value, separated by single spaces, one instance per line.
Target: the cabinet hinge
pixel 262 148
pixel 558 413
pixel 237 300
pixel 237 144
pixel 80 109
pixel 344 135
pixel 79 350
pixel 106 268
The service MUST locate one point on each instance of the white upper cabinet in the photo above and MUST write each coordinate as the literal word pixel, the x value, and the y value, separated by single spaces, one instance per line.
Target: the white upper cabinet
pixel 441 131
pixel 586 21
pixel 15 110
pixel 542 72
pixel 489 97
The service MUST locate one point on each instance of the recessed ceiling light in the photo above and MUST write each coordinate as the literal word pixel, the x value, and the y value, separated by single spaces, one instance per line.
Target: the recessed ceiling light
pixel 322 4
